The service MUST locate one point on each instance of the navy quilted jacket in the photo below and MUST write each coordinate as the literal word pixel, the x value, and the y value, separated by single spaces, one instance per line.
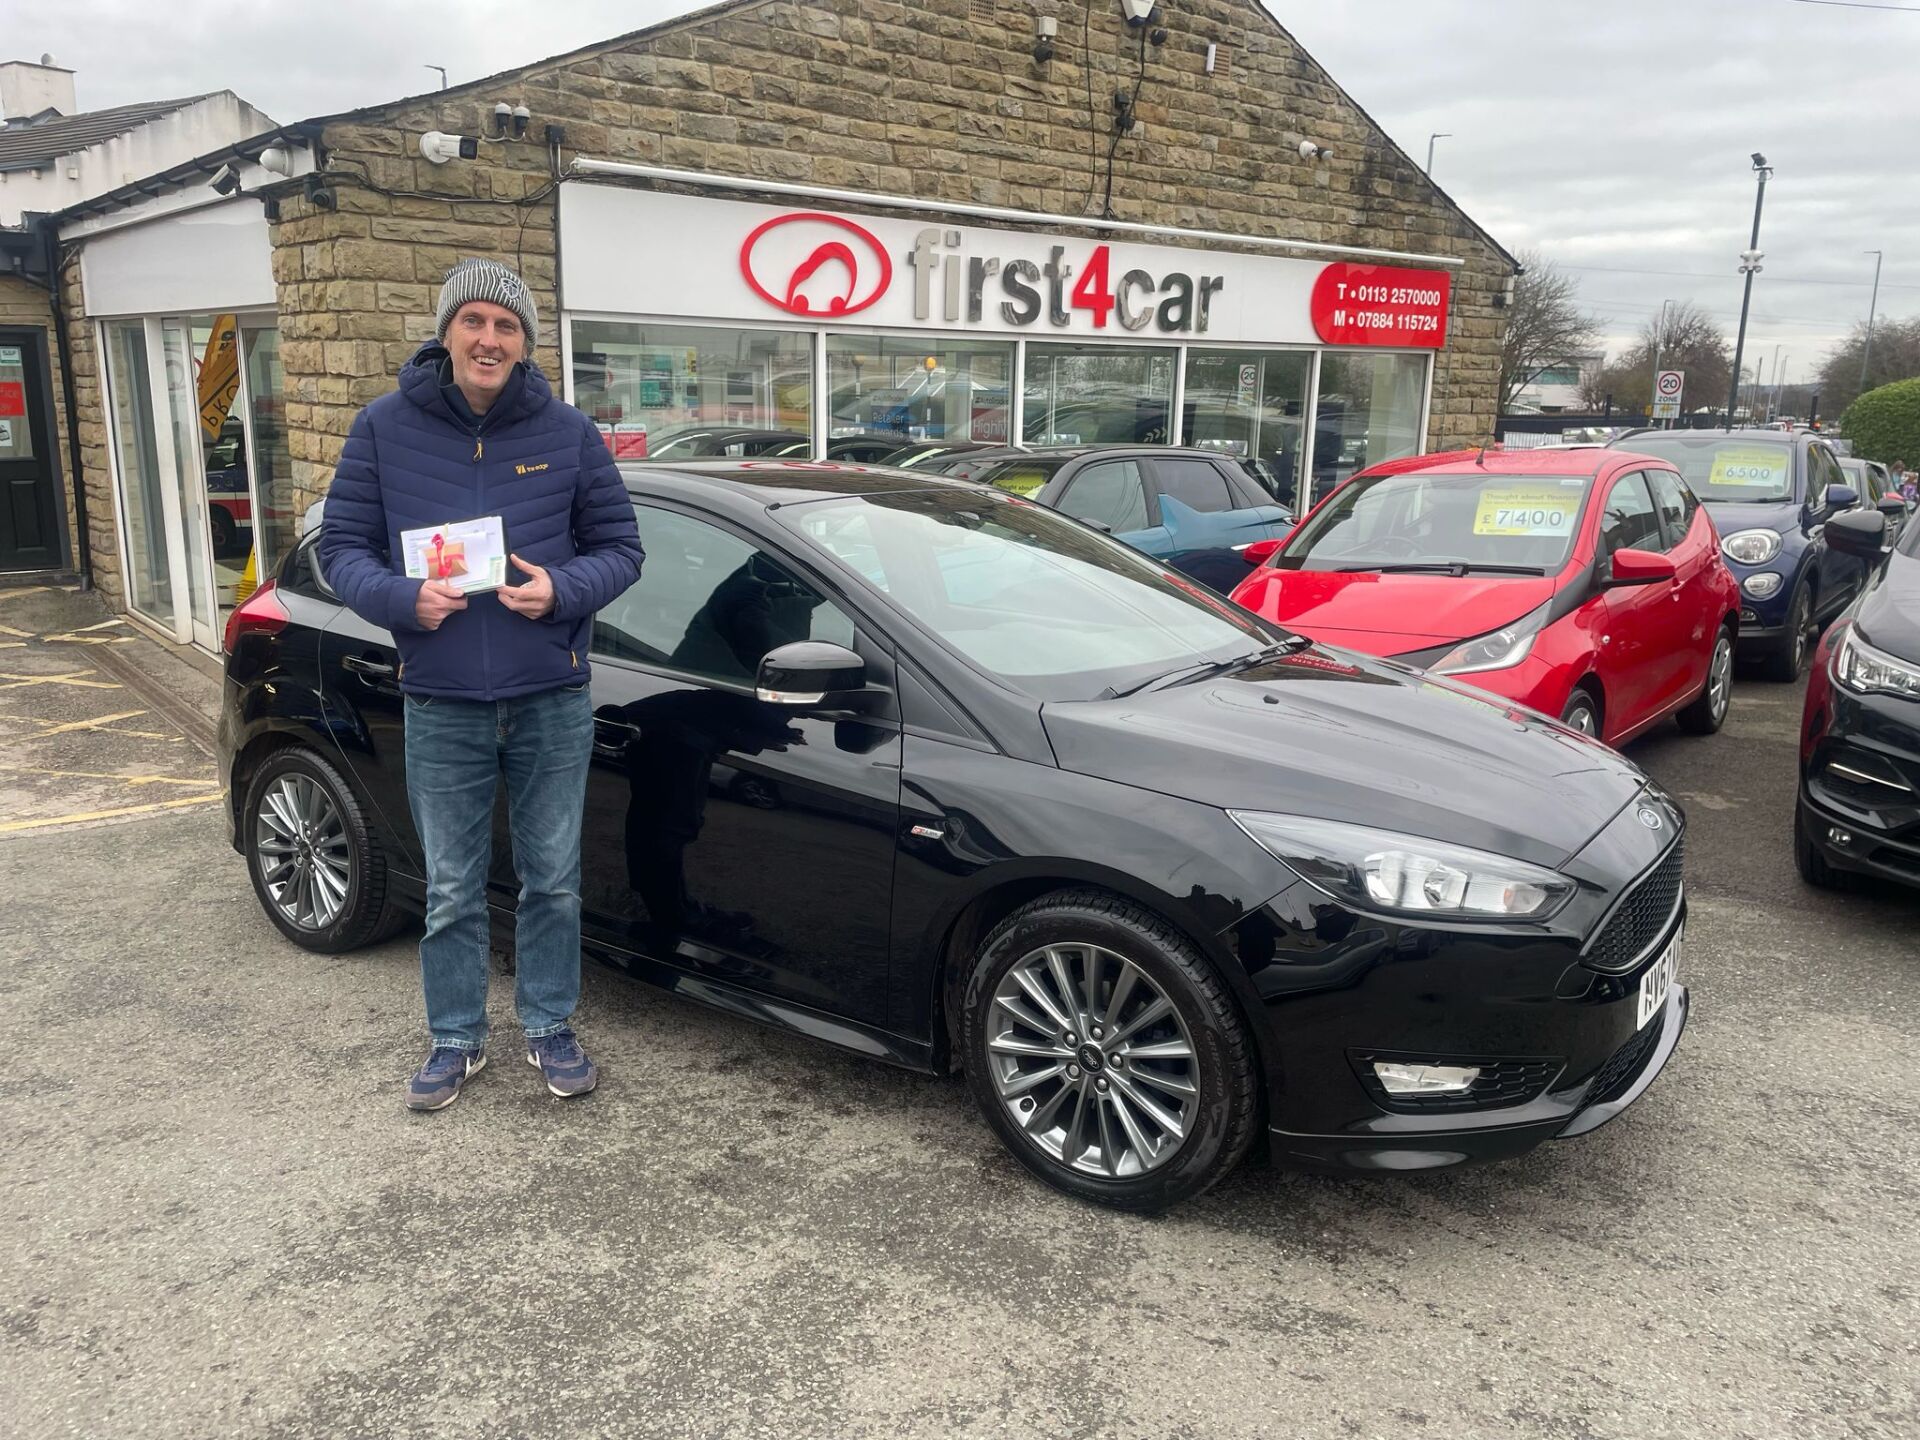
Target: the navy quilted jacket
pixel 532 459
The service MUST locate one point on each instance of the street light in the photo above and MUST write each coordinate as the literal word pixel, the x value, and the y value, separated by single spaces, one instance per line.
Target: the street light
pixel 1437 135
pixel 1871 306
pixel 1749 266
pixel 443 73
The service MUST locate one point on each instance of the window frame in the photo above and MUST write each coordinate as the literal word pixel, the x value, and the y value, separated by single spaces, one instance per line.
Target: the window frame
pixel 1674 537
pixel 1601 544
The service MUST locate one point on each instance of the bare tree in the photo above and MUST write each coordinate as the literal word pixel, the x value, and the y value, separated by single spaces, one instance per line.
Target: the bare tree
pixel 1545 325
pixel 1691 342
pixel 1896 356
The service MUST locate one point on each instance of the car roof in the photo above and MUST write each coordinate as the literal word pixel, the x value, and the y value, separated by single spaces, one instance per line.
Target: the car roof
pixel 1075 452
pixel 762 483
pixel 1544 460
pixel 1745 432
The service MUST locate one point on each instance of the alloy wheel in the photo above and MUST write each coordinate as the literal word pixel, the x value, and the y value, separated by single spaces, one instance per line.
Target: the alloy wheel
pixel 1802 622
pixel 1092 1061
pixel 1720 677
pixel 1582 717
pixel 306 863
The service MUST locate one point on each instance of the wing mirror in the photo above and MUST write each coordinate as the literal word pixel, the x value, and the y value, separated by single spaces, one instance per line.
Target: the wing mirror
pixel 1638 567
pixel 1861 532
pixel 1840 497
pixel 1892 506
pixel 1261 551
pixel 809 672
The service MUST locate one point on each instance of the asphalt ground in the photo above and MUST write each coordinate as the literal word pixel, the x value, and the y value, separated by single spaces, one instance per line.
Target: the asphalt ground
pixel 216 1218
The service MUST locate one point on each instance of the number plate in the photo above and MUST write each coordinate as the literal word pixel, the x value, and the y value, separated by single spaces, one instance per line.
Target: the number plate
pixel 1655 984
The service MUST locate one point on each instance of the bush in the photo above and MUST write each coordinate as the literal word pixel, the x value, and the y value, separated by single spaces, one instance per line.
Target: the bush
pixel 1884 424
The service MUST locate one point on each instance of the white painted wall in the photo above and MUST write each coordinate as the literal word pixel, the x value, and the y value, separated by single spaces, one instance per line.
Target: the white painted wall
pixel 197 129
pixel 27 89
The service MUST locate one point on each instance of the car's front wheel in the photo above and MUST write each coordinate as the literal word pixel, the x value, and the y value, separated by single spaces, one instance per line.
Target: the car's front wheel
pixel 1811 864
pixel 1789 656
pixel 315 864
pixel 1107 1054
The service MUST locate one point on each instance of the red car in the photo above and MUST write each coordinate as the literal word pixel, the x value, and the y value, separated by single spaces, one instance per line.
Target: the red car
pixel 1504 569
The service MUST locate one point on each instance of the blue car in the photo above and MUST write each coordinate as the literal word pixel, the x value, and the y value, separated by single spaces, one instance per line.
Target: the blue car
pixel 1196 510
pixel 1771 494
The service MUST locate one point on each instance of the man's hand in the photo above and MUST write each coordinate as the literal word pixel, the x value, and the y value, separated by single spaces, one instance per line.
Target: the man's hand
pixel 436 600
pixel 533 599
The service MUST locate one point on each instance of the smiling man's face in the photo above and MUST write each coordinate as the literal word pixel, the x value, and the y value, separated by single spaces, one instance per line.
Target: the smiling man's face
pixel 485 341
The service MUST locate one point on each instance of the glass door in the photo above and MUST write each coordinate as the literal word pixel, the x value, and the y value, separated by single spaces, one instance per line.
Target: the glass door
pixel 182 361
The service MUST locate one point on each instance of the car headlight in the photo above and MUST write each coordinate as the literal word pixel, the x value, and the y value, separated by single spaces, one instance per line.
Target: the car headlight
pixel 1395 874
pixel 1867 671
pixel 1751 547
pixel 1504 647
pixel 1763 586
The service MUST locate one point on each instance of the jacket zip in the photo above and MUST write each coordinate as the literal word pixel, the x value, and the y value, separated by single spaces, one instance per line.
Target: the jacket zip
pixel 480 500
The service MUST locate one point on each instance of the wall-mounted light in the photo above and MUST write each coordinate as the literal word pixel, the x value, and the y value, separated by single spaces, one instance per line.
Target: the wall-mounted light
pixel 1312 151
pixel 1045 29
pixel 276 161
pixel 502 118
pixel 521 118
pixel 1138 12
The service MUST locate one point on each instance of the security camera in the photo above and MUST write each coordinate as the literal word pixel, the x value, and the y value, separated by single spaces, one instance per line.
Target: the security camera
pixel 1311 151
pixel 522 117
pixel 440 148
pixel 1138 12
pixel 276 161
pixel 1759 161
pixel 502 118
pixel 226 180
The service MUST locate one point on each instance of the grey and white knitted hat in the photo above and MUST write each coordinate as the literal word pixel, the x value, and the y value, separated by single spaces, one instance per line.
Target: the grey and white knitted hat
pixel 476 279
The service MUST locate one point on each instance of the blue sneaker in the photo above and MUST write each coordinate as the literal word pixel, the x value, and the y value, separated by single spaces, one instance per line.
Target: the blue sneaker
pixel 437 1083
pixel 563 1063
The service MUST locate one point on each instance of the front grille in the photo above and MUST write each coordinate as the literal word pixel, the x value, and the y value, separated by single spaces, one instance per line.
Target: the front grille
pixel 1501 1082
pixel 1619 1073
pixel 1638 920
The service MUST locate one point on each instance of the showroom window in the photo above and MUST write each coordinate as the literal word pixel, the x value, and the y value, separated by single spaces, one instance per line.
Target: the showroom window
pixel 643 383
pixel 1251 403
pixel 918 389
pixel 1097 395
pixel 1368 411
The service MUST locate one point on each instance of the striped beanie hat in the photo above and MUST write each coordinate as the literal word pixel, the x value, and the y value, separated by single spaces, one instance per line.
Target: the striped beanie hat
pixel 476 279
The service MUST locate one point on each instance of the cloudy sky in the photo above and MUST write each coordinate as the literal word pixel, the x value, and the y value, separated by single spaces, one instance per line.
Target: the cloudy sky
pixel 1613 138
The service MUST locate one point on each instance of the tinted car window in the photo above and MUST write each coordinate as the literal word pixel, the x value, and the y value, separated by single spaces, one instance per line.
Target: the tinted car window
pixel 1194 483
pixel 1025 595
pixel 1735 469
pixel 1109 493
pixel 1824 470
pixel 1629 522
pixel 710 603
pixel 1670 498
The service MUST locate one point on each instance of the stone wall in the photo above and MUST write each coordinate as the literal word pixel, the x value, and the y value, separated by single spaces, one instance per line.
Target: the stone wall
pixel 906 96
pixel 89 402
pixel 24 304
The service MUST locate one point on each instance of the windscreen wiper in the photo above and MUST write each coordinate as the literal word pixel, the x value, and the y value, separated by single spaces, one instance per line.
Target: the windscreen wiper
pixel 1455 568
pixel 1292 645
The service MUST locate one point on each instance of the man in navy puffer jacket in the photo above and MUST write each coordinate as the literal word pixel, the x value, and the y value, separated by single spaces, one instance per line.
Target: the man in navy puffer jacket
pixel 494 682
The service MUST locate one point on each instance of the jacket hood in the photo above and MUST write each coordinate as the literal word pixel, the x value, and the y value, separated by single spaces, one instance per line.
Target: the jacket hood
pixel 1339 736
pixel 1391 614
pixel 527 391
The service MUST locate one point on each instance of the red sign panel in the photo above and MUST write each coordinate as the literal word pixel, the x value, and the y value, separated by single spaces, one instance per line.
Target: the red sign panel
pixel 1382 305
pixel 13 397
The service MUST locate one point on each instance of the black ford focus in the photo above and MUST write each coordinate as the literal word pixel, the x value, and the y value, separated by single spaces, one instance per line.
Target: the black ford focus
pixel 928 771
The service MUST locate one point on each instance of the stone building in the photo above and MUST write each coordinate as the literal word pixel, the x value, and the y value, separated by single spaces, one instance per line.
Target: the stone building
pixel 820 219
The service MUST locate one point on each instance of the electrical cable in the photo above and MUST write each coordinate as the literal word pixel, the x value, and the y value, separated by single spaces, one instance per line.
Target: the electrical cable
pixel 1093 122
pixel 1120 133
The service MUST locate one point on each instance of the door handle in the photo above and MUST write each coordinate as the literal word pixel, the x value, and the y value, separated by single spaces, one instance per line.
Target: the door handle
pixel 372 669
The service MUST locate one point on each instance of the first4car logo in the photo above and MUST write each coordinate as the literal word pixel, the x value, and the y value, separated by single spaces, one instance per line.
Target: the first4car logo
pixel 815 265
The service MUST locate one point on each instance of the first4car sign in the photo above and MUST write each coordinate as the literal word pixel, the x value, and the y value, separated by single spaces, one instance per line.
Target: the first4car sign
pixel 729 260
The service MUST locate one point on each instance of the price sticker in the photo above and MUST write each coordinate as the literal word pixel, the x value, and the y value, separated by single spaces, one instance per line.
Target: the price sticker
pixel 1762 466
pixel 1527 510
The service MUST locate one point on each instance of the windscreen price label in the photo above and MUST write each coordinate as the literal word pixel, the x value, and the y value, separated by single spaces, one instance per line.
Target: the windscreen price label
pixel 1382 305
pixel 1526 510
pixel 1750 467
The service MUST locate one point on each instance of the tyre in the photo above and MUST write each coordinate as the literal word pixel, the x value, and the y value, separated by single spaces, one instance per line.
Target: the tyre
pixel 1107 1054
pixel 1811 864
pixel 223 530
pixel 1582 712
pixel 1789 657
pixel 316 867
pixel 1708 712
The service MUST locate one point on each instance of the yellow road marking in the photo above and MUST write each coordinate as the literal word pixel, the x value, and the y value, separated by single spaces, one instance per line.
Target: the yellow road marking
pixel 94 775
pixel 72 677
pixel 27 590
pixel 17 634
pixel 100 724
pixel 13 827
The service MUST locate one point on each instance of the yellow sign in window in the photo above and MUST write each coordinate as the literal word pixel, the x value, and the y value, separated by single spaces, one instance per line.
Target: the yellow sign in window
pixel 1021 482
pixel 1527 510
pixel 1765 467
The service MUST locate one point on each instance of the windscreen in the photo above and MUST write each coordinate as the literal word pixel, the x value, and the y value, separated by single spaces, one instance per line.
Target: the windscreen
pixel 1724 469
pixel 1426 519
pixel 1048 606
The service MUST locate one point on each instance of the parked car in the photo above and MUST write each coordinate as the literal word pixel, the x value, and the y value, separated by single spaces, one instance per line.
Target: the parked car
pixel 710 442
pixel 951 780
pixel 1197 510
pixel 229 500
pixel 931 453
pixel 1859 803
pixel 862 449
pixel 1585 583
pixel 1771 494
pixel 1875 485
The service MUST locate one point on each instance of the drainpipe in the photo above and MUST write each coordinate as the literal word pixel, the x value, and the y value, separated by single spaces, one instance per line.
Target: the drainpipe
pixel 84 539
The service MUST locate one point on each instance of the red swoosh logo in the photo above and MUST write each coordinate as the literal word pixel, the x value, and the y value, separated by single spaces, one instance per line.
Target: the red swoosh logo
pixel 824 255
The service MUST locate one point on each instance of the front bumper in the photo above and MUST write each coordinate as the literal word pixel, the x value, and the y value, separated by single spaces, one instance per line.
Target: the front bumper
pixel 1860 775
pixel 1442 1142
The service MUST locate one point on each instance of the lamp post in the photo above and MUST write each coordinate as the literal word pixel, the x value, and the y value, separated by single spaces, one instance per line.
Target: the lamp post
pixel 1437 135
pixel 1659 349
pixel 1749 266
pixel 1872 304
pixel 443 73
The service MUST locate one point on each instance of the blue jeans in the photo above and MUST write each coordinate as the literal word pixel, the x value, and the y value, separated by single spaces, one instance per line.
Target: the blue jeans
pixel 456 752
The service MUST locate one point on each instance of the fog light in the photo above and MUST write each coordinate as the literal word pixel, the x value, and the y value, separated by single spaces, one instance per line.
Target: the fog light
pixel 1837 836
pixel 1763 585
pixel 1397 1078
pixel 1749 617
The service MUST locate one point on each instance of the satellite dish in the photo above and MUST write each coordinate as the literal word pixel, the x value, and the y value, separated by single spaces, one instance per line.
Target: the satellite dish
pixel 46 60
